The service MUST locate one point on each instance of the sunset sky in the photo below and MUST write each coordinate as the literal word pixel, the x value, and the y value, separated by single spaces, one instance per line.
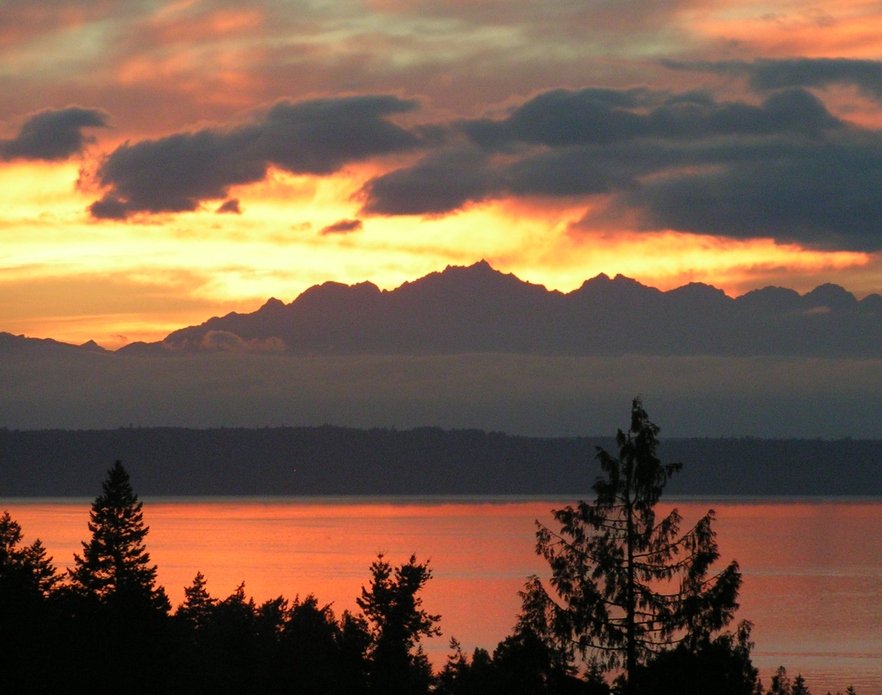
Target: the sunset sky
pixel 164 161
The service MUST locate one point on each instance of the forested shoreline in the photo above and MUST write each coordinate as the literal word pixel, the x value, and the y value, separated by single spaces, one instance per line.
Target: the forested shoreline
pixel 634 606
pixel 424 461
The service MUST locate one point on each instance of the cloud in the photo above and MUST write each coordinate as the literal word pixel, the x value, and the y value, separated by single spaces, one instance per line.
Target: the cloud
pixel 766 74
pixel 441 182
pixel 821 194
pixel 230 207
pixel 785 168
pixel 343 227
pixel 178 172
pixel 53 134
pixel 224 341
pixel 563 118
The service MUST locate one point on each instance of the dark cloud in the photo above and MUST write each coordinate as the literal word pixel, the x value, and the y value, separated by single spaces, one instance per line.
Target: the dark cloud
pixel 53 134
pixel 866 75
pixel 229 207
pixel 343 227
pixel 108 209
pixel 178 172
pixel 319 137
pixel 785 168
pixel 441 182
pixel 824 195
pixel 596 117
pixel 562 117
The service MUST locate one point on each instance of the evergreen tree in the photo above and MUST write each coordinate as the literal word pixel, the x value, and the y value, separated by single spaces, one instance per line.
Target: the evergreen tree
pixel 27 635
pixel 26 572
pixel 721 666
pixel 626 584
pixel 115 565
pixel 799 686
pixel 781 683
pixel 198 604
pixel 393 607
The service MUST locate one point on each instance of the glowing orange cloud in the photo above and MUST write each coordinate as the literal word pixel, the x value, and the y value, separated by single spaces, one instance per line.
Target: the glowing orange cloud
pixel 756 28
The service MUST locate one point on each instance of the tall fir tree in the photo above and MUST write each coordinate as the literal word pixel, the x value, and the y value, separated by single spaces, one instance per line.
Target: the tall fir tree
pixel 115 568
pixel 625 583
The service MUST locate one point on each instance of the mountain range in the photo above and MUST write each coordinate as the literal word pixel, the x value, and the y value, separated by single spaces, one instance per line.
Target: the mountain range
pixel 479 309
pixel 471 347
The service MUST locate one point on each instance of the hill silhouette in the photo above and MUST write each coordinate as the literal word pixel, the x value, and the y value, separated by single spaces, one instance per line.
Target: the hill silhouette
pixel 479 309
pixel 421 461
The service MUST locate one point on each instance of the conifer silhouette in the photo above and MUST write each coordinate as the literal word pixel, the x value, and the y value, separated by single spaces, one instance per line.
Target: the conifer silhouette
pixel 627 584
pixel 115 565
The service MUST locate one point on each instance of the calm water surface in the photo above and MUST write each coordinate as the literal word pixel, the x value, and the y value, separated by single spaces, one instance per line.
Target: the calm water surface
pixel 812 569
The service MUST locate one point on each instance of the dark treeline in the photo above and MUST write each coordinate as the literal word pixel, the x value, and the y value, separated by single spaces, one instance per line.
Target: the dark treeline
pixel 633 605
pixel 425 461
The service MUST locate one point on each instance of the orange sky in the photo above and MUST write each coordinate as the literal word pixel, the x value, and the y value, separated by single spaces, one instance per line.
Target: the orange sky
pixel 729 143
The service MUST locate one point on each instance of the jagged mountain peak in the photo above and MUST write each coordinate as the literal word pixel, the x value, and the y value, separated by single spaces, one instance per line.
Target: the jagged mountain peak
pixel 336 292
pixel 476 308
pixel 477 280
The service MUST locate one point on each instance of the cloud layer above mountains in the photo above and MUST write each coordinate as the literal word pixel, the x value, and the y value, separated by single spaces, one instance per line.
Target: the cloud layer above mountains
pixel 176 173
pixel 783 167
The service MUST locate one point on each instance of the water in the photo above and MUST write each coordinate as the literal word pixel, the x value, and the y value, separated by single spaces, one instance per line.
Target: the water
pixel 812 568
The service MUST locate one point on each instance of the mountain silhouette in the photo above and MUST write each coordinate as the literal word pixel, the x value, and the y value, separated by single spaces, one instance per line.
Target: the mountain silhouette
pixel 479 309
pixel 36 347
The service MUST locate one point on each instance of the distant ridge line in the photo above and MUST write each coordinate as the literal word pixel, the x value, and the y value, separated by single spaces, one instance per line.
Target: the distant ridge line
pixel 332 460
pixel 479 309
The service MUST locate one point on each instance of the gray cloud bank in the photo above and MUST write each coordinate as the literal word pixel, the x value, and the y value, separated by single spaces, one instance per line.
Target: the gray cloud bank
pixel 785 168
pixel 781 165
pixel 176 173
pixel 518 394
pixel 53 134
pixel 766 74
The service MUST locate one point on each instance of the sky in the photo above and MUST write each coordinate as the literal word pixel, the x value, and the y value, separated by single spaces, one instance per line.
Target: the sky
pixel 165 161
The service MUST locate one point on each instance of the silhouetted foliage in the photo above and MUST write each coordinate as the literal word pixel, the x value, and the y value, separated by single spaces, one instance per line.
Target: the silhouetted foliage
pixel 198 605
pixel 782 684
pixel 461 677
pixel 115 565
pixel 238 646
pixel 26 571
pixel 392 606
pixel 799 686
pixel 627 585
pixel 27 578
pixel 721 666
pixel 521 664
pixel 120 627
